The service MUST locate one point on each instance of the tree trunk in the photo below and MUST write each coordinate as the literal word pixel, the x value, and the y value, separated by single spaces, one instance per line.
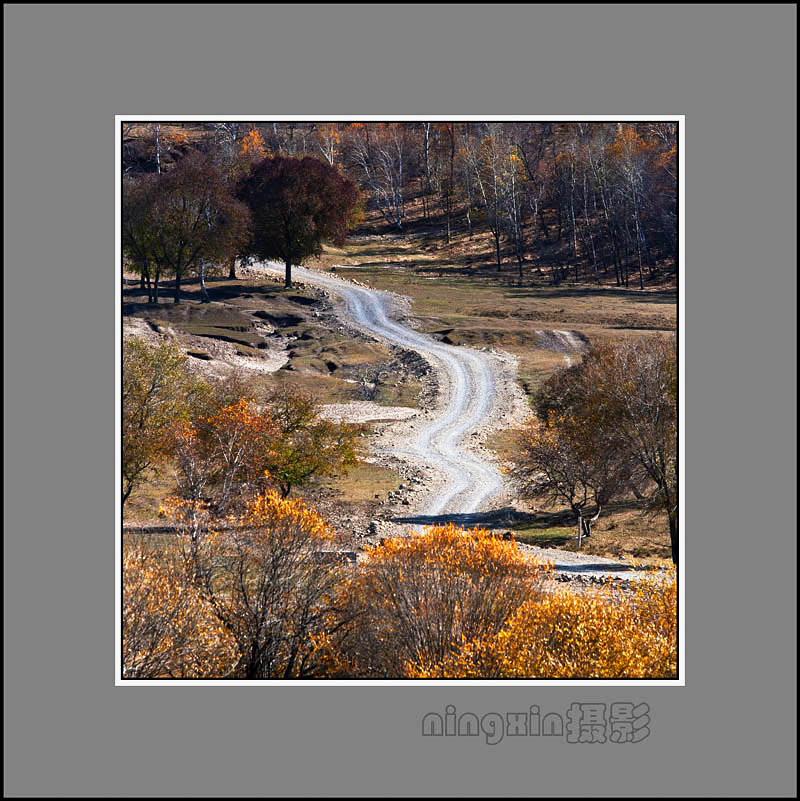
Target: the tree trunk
pixel 451 184
pixel 253 669
pixel 497 246
pixel 126 492
pixel 204 298
pixel 426 192
pixel 177 286
pixel 145 282
pixel 587 523
pixel 158 148
pixel 673 534
pixel 589 228
pixel 232 268
pixel 288 281
pixel 145 279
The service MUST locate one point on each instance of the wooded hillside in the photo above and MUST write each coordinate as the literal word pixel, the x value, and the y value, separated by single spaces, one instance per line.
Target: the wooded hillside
pixel 583 201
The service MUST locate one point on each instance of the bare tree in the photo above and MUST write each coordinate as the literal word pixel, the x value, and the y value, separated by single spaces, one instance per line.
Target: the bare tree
pixel 379 155
pixel 265 581
pixel 485 159
pixel 558 461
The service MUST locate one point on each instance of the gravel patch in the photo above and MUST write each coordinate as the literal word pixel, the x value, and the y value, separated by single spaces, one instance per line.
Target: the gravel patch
pixel 365 411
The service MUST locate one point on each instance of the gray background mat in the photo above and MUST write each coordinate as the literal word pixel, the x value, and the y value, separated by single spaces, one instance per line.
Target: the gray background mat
pixel 69 69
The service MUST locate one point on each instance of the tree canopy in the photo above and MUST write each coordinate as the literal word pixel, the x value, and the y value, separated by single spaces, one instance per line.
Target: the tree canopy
pixel 185 218
pixel 296 205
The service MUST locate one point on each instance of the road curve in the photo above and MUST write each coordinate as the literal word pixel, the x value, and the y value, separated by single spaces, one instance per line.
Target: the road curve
pixel 468 387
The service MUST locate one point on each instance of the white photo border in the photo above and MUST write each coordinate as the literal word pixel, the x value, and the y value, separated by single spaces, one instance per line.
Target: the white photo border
pixel 678 118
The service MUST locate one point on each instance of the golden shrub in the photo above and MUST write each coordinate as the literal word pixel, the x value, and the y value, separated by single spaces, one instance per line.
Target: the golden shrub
pixel 601 634
pixel 421 598
pixel 168 630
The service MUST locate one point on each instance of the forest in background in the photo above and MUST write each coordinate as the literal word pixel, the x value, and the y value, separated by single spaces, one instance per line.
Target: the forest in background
pixel 581 201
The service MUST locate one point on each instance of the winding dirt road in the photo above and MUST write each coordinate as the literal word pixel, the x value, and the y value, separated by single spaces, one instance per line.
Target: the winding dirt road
pixel 468 391
pixel 469 398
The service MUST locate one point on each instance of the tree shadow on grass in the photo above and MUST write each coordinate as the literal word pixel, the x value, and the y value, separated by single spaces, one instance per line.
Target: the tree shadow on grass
pixel 664 297
pixel 219 290
pixel 493 519
pixel 594 567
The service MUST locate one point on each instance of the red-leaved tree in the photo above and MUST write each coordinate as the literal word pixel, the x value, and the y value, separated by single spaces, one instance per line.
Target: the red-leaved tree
pixel 296 205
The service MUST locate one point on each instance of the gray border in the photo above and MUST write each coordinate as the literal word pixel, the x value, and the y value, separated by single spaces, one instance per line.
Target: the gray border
pixel 730 69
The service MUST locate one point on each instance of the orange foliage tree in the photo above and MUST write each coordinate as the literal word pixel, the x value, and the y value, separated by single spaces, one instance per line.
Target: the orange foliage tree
pixel 252 146
pixel 221 456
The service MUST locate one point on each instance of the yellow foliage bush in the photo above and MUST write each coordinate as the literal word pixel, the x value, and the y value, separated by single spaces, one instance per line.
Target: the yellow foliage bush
pixel 168 630
pixel 249 597
pixel 602 634
pixel 423 597
pixel 266 576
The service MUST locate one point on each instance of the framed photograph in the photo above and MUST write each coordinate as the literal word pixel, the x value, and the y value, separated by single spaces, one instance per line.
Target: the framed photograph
pixel 400 400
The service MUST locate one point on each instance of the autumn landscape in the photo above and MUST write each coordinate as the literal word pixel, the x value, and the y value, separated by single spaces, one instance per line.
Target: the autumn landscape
pixel 399 400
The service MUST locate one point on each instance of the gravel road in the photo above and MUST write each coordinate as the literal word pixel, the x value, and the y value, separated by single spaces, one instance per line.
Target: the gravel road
pixel 468 389
pixel 477 392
